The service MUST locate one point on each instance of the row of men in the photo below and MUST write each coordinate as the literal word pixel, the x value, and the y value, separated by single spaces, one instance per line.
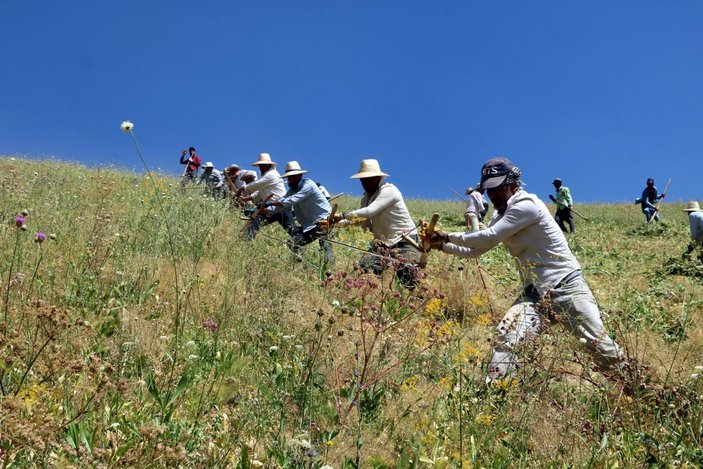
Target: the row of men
pixel 521 222
pixel 550 273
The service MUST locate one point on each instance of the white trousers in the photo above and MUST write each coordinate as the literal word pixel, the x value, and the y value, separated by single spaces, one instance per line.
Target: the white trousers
pixel 574 300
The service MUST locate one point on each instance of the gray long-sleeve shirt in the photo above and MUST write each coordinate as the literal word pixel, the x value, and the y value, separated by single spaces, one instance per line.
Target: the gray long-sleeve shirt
pixel 529 232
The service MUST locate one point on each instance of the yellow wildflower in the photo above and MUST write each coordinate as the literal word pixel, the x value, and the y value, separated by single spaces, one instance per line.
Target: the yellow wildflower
pixel 469 353
pixel 410 383
pixel 448 330
pixel 446 382
pixel 484 319
pixel 435 306
pixel 479 300
pixel 486 419
pixel 505 384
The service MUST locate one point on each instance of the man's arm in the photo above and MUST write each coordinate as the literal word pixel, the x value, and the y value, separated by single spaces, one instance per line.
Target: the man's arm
pixel 384 200
pixel 516 218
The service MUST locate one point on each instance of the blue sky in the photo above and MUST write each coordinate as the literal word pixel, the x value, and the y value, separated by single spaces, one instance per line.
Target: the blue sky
pixel 602 94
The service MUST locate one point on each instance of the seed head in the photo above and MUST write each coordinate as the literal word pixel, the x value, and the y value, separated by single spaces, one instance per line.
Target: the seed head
pixel 126 126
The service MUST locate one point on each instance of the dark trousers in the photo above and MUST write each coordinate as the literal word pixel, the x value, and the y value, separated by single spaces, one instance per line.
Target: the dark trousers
pixel 564 215
pixel 300 238
pixel 401 256
pixel 284 218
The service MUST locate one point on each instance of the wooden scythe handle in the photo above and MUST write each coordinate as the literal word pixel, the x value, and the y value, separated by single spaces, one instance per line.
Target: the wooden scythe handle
pixel 426 240
pixel 257 212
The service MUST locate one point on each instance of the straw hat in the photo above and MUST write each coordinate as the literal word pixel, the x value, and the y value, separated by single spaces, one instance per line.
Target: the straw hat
pixel 368 169
pixel 293 168
pixel 692 206
pixel 208 165
pixel 264 158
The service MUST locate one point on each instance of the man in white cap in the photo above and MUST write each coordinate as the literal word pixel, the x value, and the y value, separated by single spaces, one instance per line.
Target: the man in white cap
pixel 214 181
pixel 383 211
pixel 695 219
pixel 268 188
pixel 309 206
pixel 550 273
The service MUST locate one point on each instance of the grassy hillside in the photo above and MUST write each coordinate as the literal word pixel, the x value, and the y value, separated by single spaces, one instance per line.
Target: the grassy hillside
pixel 145 332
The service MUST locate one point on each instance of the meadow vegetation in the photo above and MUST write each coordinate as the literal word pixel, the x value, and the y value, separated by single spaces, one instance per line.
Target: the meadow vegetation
pixel 143 331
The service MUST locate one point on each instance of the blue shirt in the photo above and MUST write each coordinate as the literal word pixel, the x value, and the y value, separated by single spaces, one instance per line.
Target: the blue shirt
pixel 696 220
pixel 309 205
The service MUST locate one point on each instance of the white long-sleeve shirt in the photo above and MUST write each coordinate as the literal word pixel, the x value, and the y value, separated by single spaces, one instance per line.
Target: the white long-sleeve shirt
pixel 529 232
pixel 386 214
pixel 475 204
pixel 269 183
pixel 696 221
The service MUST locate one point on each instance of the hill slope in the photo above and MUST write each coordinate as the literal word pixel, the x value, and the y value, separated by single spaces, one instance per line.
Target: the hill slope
pixel 145 331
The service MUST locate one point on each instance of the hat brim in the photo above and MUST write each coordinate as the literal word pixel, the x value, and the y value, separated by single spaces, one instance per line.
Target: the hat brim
pixel 368 174
pixel 493 182
pixel 259 163
pixel 693 210
pixel 294 172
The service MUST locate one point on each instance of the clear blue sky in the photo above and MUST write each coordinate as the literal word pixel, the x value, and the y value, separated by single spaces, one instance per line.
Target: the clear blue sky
pixel 600 93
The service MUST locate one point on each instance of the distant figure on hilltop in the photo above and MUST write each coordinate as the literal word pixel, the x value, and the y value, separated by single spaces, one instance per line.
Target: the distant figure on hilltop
pixel 192 164
pixel 564 202
pixel 324 191
pixel 695 218
pixel 551 275
pixel 475 210
pixel 648 201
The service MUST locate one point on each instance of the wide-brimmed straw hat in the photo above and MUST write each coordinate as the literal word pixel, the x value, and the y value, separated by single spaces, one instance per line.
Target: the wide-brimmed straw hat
pixel 293 168
pixel 368 169
pixel 264 158
pixel 692 206
pixel 232 167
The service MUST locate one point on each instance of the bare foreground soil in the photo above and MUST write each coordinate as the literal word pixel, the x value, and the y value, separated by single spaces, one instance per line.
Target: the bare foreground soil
pixel 144 332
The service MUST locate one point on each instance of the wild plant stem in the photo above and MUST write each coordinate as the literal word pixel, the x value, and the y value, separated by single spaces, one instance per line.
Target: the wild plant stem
pixel 31 363
pixel 169 233
pixel 9 277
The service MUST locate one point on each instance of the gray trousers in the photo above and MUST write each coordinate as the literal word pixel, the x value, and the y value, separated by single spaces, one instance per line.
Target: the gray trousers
pixel 574 300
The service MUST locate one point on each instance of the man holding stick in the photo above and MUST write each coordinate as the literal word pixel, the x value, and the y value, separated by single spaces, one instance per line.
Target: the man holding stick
pixel 269 187
pixel 192 164
pixel 564 202
pixel 550 273
pixel 383 212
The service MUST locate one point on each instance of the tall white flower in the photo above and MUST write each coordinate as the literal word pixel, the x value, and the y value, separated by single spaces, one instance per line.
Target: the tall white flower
pixel 126 126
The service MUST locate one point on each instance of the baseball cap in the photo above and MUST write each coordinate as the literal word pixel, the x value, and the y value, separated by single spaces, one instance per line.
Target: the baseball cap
pixel 495 171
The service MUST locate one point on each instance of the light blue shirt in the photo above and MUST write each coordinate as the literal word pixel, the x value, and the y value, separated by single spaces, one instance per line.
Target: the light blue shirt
pixel 309 205
pixel 696 221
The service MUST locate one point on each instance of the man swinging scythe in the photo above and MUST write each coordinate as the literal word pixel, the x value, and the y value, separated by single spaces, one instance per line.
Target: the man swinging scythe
pixel 384 213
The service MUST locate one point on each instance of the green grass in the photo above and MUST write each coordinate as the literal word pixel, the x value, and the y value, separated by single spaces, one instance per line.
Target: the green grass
pixel 130 341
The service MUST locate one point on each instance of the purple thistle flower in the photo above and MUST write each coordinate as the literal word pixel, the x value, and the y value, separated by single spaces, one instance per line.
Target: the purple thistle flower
pixel 20 220
pixel 209 325
pixel 40 237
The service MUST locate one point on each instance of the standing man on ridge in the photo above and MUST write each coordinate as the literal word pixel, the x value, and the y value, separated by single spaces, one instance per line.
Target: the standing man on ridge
pixel 564 203
pixel 550 273
pixel 192 164
pixel 649 199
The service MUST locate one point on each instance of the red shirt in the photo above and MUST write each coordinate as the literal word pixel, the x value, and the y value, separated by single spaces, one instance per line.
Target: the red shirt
pixel 194 163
